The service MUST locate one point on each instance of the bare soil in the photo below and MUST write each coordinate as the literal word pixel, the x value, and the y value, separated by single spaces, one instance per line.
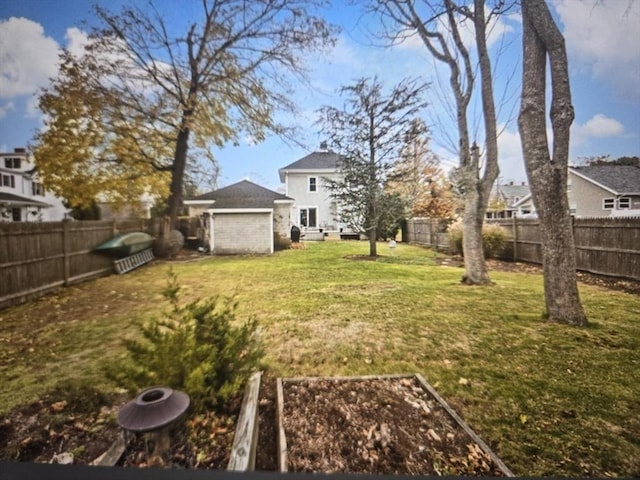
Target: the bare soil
pixel 52 430
pixel 378 426
pixel 604 281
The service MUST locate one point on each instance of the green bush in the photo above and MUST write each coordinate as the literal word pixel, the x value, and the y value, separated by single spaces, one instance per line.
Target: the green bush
pixel 493 239
pixel 196 348
pixel 455 237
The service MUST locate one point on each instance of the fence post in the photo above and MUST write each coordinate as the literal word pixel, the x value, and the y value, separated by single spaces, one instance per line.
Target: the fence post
pixel 514 231
pixel 65 251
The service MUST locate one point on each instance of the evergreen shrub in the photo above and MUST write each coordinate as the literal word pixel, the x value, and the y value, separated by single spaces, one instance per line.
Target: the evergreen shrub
pixel 198 348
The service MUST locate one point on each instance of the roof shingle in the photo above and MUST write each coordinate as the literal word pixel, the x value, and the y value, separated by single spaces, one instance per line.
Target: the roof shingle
pixel 622 179
pixel 244 194
pixel 314 161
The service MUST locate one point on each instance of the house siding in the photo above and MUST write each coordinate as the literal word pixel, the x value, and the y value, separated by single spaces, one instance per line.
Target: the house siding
pixel 282 220
pixel 587 197
pixel 23 187
pixel 238 233
pixel 298 188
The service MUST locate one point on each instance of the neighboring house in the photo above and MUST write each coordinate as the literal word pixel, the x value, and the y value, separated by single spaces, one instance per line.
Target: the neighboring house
pixel 524 208
pixel 304 180
pixel 141 209
pixel 23 198
pixel 596 191
pixel 604 190
pixel 242 218
pixel 507 201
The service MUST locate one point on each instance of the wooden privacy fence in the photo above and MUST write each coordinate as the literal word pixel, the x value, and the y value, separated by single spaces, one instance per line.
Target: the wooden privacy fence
pixel 38 257
pixel 604 245
pixel 431 232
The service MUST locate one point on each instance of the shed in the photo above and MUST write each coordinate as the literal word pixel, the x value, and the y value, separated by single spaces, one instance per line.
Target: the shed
pixel 243 218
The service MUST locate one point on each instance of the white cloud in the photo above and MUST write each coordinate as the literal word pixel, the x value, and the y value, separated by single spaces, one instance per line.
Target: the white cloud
pixel 510 156
pixel 76 41
pixel 28 58
pixel 599 126
pixel 603 36
pixel 5 109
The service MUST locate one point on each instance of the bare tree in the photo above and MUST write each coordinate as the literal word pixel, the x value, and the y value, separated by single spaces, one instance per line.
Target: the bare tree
pixel 475 180
pixel 547 170
pixel 223 77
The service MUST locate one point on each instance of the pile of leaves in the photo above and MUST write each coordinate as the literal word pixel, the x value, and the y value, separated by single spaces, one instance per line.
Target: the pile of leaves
pixel 378 426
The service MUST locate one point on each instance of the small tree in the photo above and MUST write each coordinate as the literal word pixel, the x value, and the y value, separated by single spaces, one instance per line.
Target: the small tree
pixel 368 132
pixel 417 177
pixel 196 348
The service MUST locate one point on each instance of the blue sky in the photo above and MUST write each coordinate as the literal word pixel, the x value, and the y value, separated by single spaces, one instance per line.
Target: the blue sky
pixel 603 41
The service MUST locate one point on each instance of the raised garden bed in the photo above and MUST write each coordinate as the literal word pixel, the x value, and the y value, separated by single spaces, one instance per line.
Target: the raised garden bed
pixel 53 431
pixel 393 424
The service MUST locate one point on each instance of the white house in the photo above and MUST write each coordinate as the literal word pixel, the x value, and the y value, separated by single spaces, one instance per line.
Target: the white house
pixel 305 181
pixel 23 198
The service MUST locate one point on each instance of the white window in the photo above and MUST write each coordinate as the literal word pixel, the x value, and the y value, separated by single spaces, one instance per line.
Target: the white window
pixel 624 203
pixel 8 181
pixel 313 184
pixel 608 203
pixel 309 217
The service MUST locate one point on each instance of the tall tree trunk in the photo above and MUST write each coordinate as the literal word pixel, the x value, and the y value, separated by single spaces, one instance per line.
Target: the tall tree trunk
pixel 472 220
pixel 548 174
pixel 177 173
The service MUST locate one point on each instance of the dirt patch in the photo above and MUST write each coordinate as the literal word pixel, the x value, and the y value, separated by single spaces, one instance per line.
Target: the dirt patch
pixel 378 426
pixel 604 281
pixel 50 429
pixel 267 449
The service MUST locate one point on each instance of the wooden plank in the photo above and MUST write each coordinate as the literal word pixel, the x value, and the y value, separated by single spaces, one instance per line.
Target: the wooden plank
pixel 245 440
pixel 432 391
pixel 111 456
pixel 282 438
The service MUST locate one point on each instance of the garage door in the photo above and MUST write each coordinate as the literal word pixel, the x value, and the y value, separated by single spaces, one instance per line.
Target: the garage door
pixel 240 233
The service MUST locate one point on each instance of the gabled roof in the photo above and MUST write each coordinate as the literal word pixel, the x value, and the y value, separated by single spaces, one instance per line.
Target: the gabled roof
pixel 618 179
pixel 323 161
pixel 511 192
pixel 242 195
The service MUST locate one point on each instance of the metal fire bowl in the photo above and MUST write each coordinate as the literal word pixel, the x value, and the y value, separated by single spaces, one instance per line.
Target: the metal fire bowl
pixel 152 409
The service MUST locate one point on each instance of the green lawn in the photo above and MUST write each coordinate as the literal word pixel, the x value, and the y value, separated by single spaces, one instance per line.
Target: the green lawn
pixel 551 400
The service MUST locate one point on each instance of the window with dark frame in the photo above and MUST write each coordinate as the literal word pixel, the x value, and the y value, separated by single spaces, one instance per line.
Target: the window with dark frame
pixel 624 203
pixel 37 189
pixel 12 162
pixel 309 217
pixel 8 181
